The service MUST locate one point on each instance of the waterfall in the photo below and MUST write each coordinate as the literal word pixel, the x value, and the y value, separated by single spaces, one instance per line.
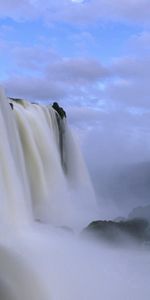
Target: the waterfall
pixel 15 202
pixel 42 172
pixel 44 188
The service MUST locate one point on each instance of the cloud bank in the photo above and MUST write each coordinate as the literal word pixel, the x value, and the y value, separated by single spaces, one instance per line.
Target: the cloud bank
pixel 79 12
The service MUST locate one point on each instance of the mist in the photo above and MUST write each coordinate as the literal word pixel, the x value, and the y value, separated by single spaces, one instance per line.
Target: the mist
pixel 116 147
pixel 49 263
pixel 45 253
pixel 60 239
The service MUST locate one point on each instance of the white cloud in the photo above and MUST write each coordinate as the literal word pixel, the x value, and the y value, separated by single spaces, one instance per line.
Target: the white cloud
pixel 81 12
pixel 132 67
pixel 40 72
pixel 77 70
pixel 34 88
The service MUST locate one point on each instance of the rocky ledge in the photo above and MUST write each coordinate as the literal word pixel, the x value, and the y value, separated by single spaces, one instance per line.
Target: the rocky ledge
pixel 135 230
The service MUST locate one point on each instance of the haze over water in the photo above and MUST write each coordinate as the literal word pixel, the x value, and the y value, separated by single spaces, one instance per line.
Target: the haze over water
pixel 40 257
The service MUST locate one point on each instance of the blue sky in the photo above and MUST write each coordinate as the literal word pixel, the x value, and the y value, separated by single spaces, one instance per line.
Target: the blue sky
pixel 76 52
pixel 91 56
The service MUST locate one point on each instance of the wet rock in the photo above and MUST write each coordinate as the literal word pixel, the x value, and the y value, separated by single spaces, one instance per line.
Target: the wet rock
pixel 59 110
pixel 11 105
pixel 118 232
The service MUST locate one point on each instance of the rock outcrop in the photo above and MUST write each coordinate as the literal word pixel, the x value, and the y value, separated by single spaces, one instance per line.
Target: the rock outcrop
pixel 120 232
pixel 59 110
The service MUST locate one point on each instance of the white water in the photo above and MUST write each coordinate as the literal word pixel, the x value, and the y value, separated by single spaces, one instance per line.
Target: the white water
pixel 39 260
pixel 33 182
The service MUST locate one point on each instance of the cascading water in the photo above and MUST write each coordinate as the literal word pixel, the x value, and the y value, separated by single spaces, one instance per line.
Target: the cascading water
pixel 39 175
pixel 15 195
pixel 44 187
pixel 40 183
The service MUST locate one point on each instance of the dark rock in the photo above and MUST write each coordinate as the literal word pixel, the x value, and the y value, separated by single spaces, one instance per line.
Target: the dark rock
pixel 59 117
pixel 59 110
pixel 11 105
pixel 120 232
pixel 18 100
